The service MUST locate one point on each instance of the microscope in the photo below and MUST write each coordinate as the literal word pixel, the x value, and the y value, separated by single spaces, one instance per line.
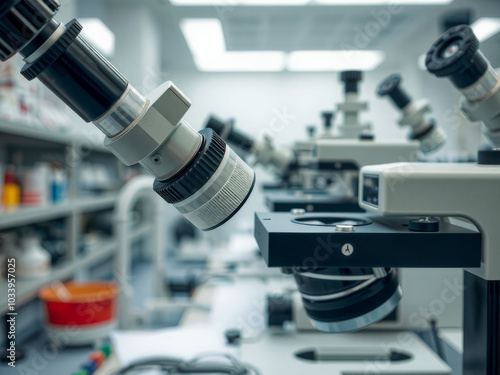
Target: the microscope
pixel 195 172
pixel 279 160
pixel 352 128
pixel 419 215
pixel 355 147
pixel 430 137
pixel 350 109
pixel 320 174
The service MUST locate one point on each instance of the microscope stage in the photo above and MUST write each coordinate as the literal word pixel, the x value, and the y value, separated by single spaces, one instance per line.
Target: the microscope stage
pixel 311 240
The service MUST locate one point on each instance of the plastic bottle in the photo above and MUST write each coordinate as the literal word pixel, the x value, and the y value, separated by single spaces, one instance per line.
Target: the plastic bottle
pixel 35 183
pixel 11 194
pixel 58 186
pixel 34 260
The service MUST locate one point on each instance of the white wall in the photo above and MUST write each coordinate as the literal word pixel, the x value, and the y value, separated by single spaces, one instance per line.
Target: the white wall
pixel 137 54
pixel 284 103
pixel 259 101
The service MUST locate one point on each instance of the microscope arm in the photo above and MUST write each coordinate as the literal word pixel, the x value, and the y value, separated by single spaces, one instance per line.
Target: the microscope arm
pixel 439 189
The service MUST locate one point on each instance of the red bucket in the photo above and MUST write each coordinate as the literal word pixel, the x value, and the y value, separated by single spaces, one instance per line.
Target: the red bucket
pixel 79 304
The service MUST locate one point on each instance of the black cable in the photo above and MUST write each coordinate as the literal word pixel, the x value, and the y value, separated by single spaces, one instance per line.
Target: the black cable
pixel 194 366
pixel 437 341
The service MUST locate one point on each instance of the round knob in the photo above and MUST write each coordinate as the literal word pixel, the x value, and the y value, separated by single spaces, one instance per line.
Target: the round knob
pixel 366 137
pixel 426 224
pixel 489 157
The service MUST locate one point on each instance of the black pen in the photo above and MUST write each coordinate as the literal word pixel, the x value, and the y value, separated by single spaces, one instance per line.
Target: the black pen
pixel 352 354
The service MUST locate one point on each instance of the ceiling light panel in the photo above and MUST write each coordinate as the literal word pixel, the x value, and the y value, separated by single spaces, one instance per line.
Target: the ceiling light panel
pixel 486 27
pixel 303 2
pixel 205 39
pixel 382 2
pixel 99 35
pixel 321 61
pixel 240 2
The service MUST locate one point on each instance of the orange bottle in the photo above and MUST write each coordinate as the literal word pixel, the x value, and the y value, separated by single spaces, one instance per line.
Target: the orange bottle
pixel 11 194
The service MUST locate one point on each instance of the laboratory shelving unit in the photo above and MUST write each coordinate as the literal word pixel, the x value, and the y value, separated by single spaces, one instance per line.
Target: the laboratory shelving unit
pixel 13 135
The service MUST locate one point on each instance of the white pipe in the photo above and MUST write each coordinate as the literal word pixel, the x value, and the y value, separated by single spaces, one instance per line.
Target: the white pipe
pixel 138 188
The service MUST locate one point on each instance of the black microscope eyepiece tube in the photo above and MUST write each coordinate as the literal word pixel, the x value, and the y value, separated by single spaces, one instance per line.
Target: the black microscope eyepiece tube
pixel 21 21
pixel 78 74
pixel 391 87
pixel 83 79
pixel 45 33
pixel 59 57
pixel 328 118
pixel 351 78
pixel 227 132
pixel 456 55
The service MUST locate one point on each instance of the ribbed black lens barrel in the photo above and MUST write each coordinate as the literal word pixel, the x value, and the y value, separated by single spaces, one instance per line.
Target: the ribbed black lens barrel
pixel 351 78
pixel 230 134
pixel 456 55
pixel 78 74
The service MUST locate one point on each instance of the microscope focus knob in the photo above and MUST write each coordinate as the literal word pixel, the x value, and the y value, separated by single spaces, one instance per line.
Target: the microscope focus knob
pixel 456 55
pixel 391 86
pixel 366 137
pixel 489 157
pixel 425 224
pixel 351 79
